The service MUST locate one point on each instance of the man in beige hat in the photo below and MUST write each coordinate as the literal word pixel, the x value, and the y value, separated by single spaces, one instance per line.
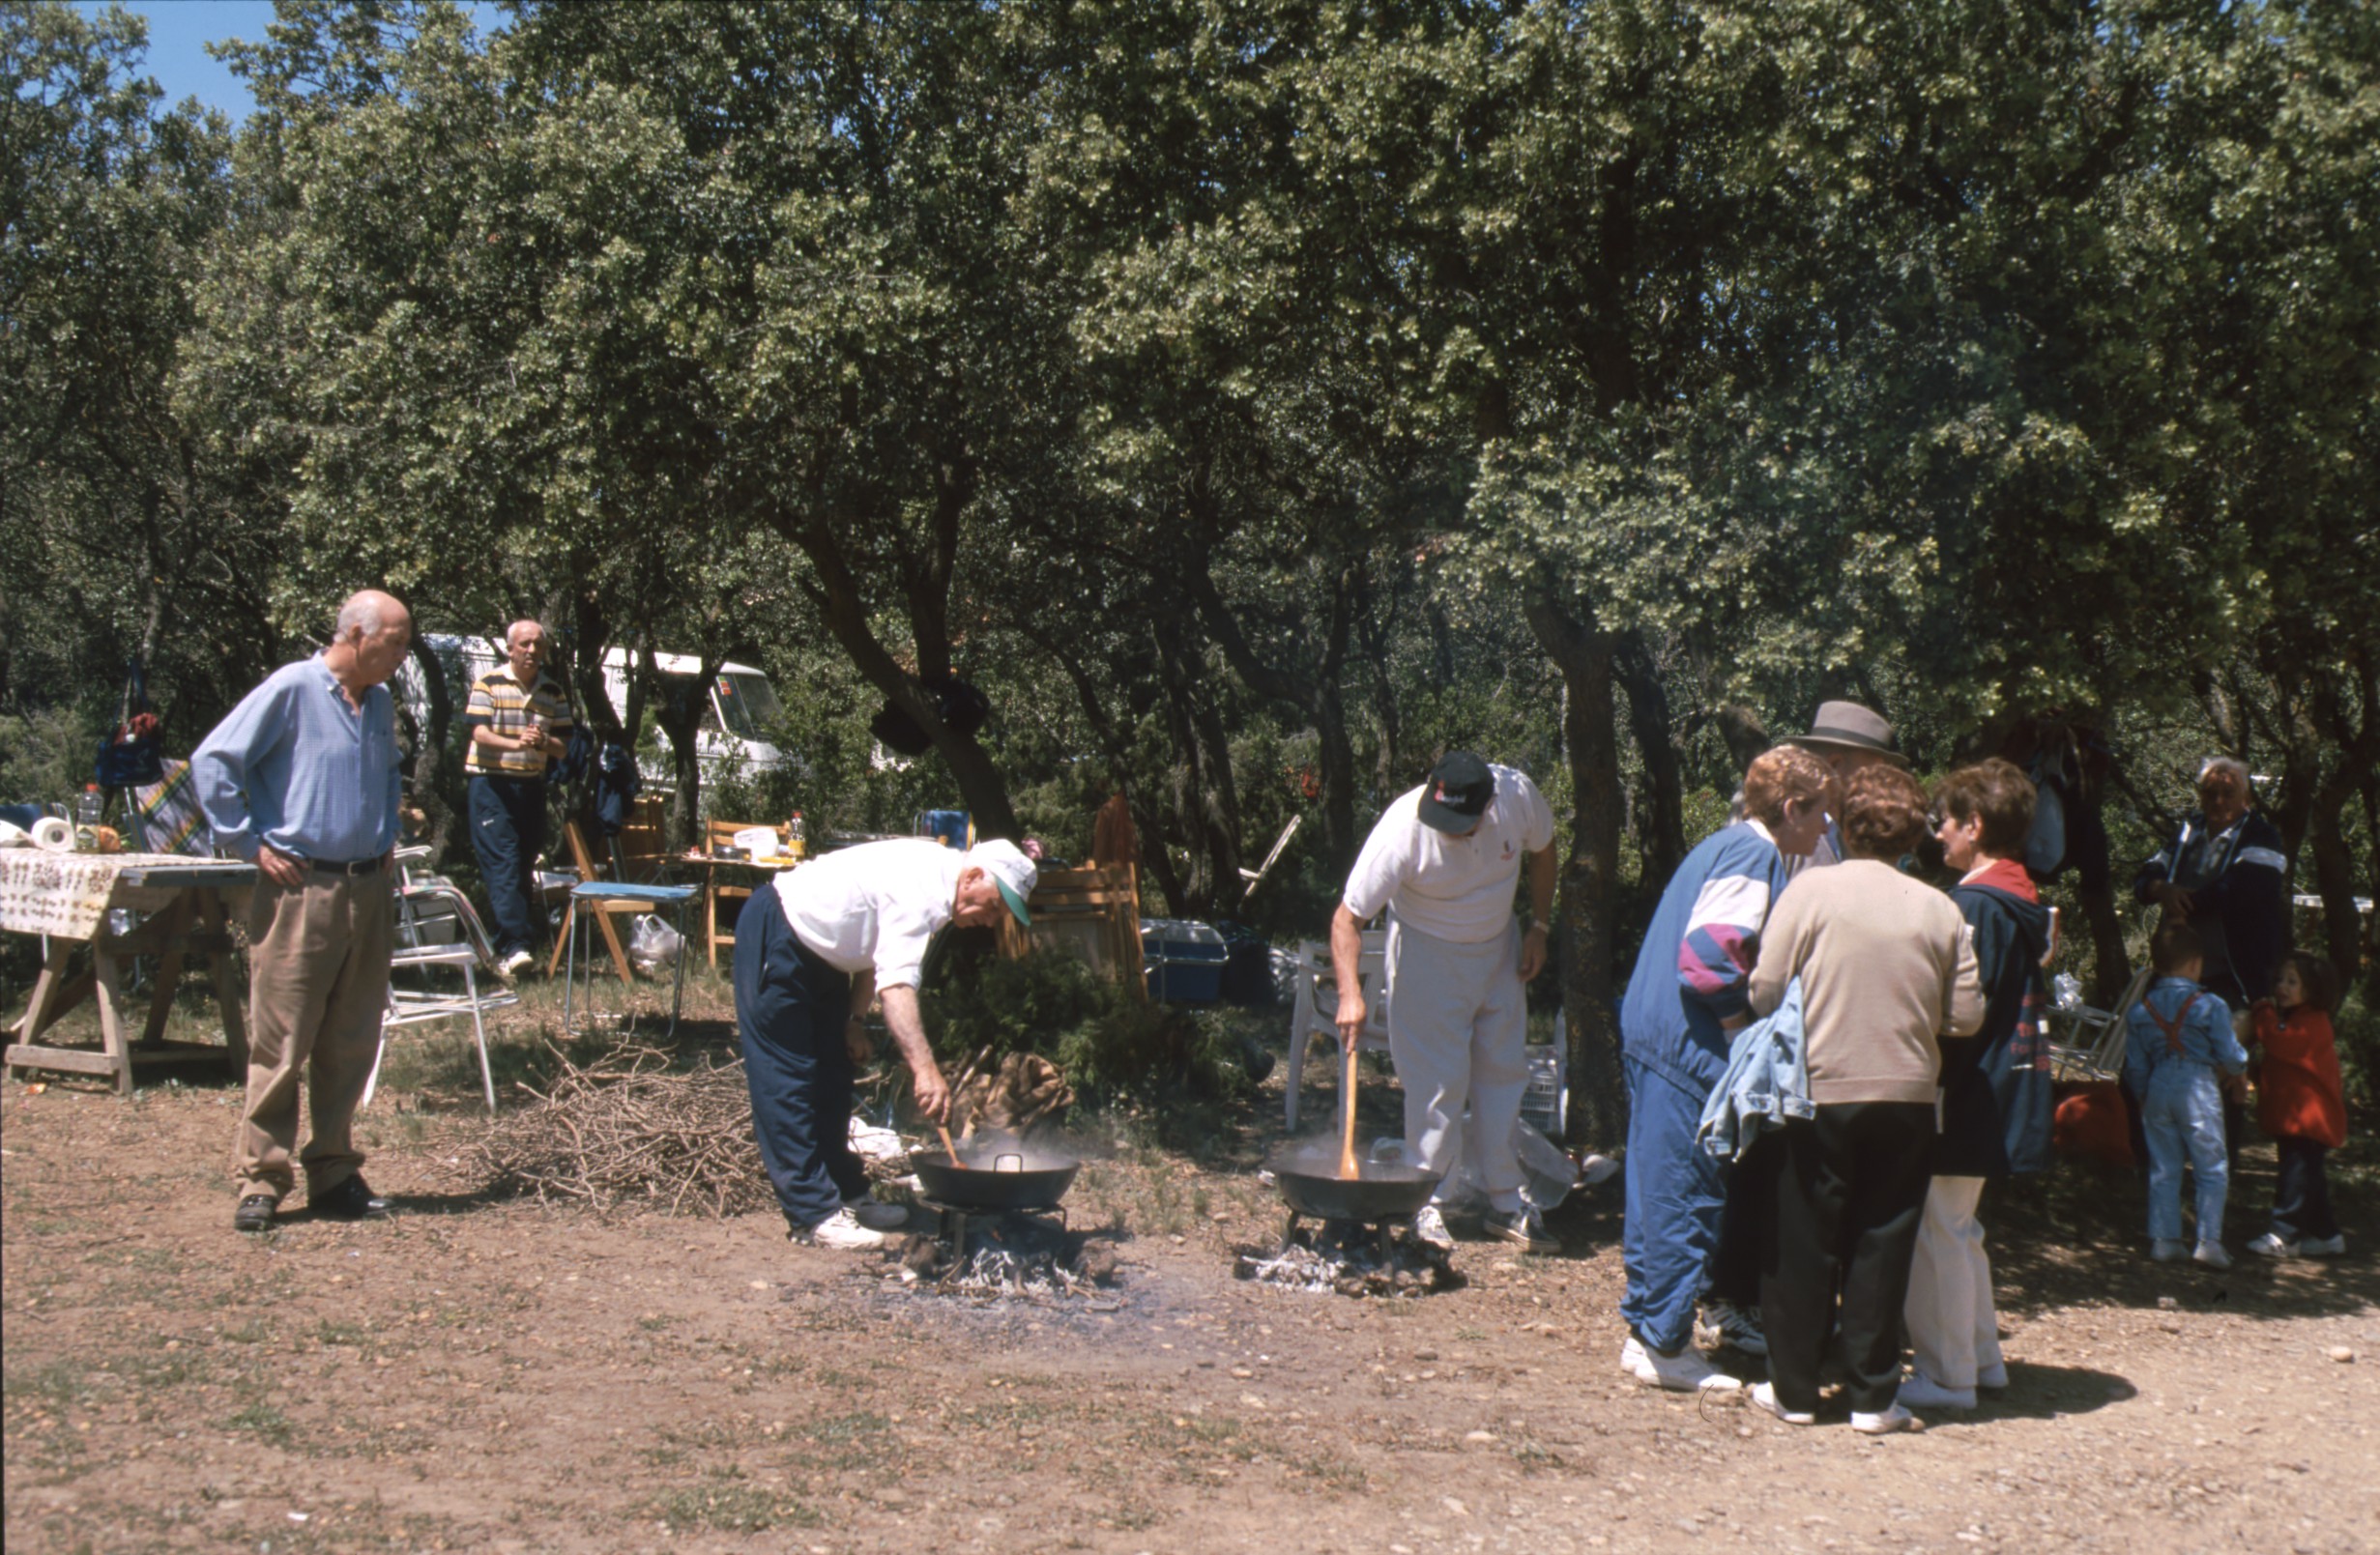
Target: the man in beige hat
pixel 1847 737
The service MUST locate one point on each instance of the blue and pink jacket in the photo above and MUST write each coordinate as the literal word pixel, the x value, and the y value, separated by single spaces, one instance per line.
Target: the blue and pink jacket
pixel 1696 966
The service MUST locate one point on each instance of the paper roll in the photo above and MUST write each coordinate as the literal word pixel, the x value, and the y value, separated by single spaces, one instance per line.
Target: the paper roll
pixel 54 835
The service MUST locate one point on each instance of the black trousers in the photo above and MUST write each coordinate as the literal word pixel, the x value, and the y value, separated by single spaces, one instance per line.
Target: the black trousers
pixel 1747 1224
pixel 2301 1201
pixel 1850 1196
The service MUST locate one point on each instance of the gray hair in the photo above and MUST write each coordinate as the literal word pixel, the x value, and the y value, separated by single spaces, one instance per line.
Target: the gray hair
pixel 2231 768
pixel 526 620
pixel 364 612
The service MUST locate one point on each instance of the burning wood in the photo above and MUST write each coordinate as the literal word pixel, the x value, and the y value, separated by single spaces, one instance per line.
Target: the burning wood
pixel 1352 1259
pixel 1014 1258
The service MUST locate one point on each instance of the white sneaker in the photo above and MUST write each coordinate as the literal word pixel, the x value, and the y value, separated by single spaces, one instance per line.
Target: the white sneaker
pixel 875 1216
pixel 1765 1396
pixel 1883 1423
pixel 2213 1254
pixel 512 966
pixel 1737 1327
pixel 1994 1377
pixel 2168 1250
pixel 842 1231
pixel 1594 1170
pixel 1430 1227
pixel 2322 1247
pixel 2271 1246
pixel 1686 1371
pixel 1921 1392
pixel 1632 1362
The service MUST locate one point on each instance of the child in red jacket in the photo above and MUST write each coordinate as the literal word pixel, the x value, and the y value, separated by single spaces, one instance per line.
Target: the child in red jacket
pixel 2301 1103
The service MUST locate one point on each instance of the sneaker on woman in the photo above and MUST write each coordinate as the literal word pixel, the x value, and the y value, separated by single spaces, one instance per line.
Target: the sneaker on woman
pixel 1921 1392
pixel 1882 1422
pixel 2272 1245
pixel 1737 1327
pixel 2213 1254
pixel 1686 1371
pixel 1765 1396
pixel 842 1231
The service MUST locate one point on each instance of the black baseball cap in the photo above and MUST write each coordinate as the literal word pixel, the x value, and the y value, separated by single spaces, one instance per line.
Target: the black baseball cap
pixel 1458 793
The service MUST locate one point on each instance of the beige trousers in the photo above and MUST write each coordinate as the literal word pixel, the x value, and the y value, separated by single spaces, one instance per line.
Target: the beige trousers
pixel 1954 1329
pixel 318 983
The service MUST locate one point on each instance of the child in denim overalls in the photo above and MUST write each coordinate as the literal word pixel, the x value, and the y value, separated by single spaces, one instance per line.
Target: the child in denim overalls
pixel 2175 1041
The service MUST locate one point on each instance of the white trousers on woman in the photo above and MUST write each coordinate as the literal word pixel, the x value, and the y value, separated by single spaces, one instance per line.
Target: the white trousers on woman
pixel 1953 1327
pixel 1458 1027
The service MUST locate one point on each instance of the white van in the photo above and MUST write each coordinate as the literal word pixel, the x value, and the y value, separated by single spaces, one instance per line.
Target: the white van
pixel 738 711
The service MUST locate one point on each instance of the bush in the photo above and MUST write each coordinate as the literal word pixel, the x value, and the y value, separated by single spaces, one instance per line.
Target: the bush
pixel 1111 1044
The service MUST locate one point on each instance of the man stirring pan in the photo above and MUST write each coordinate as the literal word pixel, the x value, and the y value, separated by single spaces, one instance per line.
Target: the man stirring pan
pixel 813 948
pixel 1444 859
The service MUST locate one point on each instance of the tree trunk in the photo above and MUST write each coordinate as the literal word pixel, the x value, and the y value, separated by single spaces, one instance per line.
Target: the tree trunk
pixel 430 774
pixel 1741 731
pixel 1590 877
pixel 1662 844
pixel 1206 799
pixel 679 709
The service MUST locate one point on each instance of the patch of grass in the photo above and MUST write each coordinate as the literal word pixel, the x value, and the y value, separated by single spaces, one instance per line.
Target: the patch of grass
pixel 653 1323
pixel 730 1507
pixel 58 1383
pixel 251 1332
pixel 265 1422
pixel 337 1332
pixel 1334 1472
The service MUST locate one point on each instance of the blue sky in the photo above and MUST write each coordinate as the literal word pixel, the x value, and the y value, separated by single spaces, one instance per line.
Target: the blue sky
pixel 180 30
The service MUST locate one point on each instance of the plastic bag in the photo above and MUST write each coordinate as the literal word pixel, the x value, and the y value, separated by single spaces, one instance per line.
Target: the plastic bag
pixel 652 942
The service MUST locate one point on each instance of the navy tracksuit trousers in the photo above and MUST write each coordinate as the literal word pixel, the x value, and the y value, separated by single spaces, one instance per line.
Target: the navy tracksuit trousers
pixel 508 831
pixel 791 1008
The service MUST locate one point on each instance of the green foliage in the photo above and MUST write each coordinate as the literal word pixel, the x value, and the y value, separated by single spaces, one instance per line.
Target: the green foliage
pixel 1112 1046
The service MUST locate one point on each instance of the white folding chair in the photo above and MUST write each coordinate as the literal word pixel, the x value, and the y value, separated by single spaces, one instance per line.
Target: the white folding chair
pixel 438 930
pixel 1317 1004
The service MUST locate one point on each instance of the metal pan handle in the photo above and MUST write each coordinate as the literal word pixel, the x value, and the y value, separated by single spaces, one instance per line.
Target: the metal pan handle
pixel 1008 1161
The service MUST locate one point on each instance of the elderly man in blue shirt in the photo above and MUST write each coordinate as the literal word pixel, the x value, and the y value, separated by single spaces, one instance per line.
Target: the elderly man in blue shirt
pixel 302 778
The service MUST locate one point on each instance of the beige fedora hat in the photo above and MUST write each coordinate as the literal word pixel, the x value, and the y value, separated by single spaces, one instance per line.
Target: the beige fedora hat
pixel 1847 725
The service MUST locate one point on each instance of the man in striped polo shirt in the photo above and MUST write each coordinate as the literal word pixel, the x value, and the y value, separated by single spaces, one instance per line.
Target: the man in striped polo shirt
pixel 519 724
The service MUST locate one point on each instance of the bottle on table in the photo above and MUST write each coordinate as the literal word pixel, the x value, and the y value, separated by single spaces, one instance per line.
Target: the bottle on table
pixel 87 812
pixel 796 842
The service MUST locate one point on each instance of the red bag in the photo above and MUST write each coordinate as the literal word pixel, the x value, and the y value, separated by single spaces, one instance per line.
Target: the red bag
pixel 2093 1124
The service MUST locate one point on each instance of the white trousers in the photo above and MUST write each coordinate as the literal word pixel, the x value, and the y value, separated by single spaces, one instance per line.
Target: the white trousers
pixel 1954 1329
pixel 1458 1025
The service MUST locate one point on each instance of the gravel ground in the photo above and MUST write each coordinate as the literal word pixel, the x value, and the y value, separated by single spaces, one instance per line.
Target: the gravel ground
pixel 483 1375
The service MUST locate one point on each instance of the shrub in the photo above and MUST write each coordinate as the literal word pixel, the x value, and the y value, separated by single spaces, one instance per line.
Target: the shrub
pixel 1111 1044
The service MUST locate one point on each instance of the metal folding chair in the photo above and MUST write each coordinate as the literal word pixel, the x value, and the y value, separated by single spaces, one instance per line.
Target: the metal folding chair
pixel 597 900
pixel 1317 1005
pixel 2093 1048
pixel 437 930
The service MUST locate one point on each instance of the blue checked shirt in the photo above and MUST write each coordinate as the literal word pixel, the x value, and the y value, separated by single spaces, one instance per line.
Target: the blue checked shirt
pixel 294 766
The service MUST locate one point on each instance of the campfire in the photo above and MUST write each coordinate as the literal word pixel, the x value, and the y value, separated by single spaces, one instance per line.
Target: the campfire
pixel 1010 1255
pixel 1352 1258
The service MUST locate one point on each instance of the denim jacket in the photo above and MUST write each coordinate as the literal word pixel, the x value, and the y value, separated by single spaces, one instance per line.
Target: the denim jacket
pixel 1768 1080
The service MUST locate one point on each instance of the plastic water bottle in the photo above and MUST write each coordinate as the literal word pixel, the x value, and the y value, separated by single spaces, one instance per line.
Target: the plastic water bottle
pixel 87 812
pixel 796 842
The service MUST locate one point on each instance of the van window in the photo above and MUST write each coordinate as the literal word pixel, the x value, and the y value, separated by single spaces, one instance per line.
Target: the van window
pixel 748 704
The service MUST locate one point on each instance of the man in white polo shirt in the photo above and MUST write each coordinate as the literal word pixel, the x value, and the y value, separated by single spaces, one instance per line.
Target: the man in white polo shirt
pixel 1444 859
pixel 813 948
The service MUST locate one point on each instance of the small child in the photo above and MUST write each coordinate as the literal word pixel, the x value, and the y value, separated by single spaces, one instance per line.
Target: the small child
pixel 2301 1103
pixel 2175 1041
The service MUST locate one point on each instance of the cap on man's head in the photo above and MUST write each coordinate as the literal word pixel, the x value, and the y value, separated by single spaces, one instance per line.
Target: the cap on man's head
pixel 1456 793
pixel 1011 870
pixel 1847 725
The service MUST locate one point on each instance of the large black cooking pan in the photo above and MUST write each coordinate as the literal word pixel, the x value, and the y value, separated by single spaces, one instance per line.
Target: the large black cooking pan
pixel 995 1179
pixel 1308 1177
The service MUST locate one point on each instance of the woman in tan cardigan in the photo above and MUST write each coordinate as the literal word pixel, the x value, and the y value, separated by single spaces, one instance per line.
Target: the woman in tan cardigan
pixel 1886 963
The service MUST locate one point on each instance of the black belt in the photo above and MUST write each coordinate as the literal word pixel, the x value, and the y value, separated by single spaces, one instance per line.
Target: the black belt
pixel 361 865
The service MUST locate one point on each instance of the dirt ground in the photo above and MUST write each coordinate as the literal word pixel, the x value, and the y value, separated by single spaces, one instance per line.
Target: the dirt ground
pixel 478 1374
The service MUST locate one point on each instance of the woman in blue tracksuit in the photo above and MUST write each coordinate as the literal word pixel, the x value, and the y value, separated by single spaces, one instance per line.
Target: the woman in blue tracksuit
pixel 1685 997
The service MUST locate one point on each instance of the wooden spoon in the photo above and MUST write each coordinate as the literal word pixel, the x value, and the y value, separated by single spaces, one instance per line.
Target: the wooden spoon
pixel 1348 1169
pixel 943 1128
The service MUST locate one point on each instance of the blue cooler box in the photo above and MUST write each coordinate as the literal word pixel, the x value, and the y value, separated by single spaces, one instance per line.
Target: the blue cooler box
pixel 1183 961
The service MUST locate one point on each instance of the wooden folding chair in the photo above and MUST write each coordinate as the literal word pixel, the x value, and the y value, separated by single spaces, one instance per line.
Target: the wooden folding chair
pixel 1093 913
pixel 589 874
pixel 718 834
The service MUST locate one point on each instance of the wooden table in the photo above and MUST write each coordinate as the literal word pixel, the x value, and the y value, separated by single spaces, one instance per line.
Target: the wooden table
pixel 723 874
pixel 70 898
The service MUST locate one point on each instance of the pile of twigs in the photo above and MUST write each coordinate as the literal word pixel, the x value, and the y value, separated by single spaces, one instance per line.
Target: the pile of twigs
pixel 626 1128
